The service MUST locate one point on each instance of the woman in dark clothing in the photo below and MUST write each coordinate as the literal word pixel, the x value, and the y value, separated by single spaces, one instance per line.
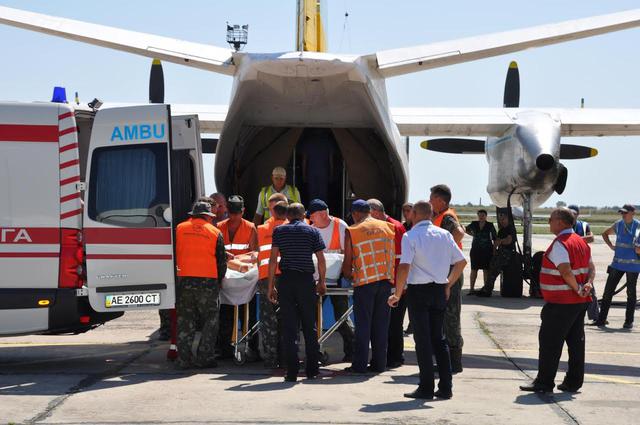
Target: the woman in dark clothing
pixel 504 250
pixel 484 233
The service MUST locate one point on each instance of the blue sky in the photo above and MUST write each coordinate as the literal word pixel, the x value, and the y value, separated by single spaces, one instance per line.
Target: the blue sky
pixel 604 70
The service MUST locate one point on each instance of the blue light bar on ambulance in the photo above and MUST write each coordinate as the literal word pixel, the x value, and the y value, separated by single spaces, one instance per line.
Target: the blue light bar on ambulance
pixel 59 95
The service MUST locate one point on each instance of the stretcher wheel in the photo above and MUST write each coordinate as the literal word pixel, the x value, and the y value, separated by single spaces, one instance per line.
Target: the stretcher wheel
pixel 324 358
pixel 240 357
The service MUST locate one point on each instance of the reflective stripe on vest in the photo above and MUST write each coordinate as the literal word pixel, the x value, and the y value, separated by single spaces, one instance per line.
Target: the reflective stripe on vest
pixel 241 239
pixel 267 191
pixel 196 242
pixel 265 237
pixel 373 251
pixel 553 287
pixel 437 220
pixel 625 257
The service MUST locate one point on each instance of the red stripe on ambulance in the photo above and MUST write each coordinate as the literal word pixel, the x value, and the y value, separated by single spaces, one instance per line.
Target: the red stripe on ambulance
pixel 129 257
pixel 28 133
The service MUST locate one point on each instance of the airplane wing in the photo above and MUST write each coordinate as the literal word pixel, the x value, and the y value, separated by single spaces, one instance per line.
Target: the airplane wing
pixel 202 56
pixel 395 62
pixel 484 122
pixel 211 117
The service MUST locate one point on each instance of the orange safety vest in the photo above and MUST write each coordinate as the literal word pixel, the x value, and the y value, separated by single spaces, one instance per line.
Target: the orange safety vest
pixel 553 287
pixel 373 243
pixel 437 220
pixel 334 245
pixel 265 237
pixel 241 240
pixel 196 242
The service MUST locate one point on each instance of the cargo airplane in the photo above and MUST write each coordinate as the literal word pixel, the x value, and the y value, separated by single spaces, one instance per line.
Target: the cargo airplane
pixel 281 101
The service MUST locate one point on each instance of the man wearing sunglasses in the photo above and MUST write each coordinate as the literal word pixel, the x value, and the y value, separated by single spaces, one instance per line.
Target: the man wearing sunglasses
pixel 625 260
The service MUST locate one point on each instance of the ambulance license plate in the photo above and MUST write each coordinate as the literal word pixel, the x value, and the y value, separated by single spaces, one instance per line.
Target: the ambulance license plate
pixel 132 300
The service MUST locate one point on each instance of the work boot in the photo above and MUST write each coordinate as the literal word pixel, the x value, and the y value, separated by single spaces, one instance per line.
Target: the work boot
pixel 456 359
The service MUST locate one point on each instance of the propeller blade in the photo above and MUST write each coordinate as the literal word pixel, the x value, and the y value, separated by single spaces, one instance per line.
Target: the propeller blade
pixel 454 145
pixel 561 182
pixel 156 82
pixel 511 97
pixel 577 152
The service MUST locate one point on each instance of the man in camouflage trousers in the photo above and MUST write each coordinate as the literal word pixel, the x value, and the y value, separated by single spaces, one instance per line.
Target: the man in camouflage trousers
pixel 445 218
pixel 201 262
pixel 269 324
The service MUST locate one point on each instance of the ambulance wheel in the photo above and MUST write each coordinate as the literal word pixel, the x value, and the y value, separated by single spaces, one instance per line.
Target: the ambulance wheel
pixel 324 358
pixel 240 358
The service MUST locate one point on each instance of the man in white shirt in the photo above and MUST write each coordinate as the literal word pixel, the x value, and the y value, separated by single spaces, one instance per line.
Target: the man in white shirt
pixel 428 252
pixel 332 231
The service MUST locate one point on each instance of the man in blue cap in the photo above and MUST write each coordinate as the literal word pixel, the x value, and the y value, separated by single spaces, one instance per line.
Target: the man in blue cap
pixel 332 230
pixel 369 259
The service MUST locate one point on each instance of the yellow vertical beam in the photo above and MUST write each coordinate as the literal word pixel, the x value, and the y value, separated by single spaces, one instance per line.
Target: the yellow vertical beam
pixel 310 31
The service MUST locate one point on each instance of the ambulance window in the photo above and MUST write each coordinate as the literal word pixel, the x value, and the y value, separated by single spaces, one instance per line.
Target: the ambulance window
pixel 129 185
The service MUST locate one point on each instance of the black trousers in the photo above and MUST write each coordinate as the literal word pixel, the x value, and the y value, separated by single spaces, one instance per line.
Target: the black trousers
pixel 298 302
pixel 395 350
pixel 612 282
pixel 561 323
pixel 427 304
pixel 371 312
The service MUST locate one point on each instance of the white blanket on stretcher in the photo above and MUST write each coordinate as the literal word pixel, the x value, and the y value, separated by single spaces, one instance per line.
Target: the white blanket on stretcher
pixel 239 288
pixel 334 267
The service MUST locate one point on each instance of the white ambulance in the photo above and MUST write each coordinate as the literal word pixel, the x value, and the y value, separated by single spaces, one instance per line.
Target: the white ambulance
pixel 88 205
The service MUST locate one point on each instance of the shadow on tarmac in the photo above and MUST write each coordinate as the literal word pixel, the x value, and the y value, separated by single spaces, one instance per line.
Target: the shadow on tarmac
pixel 497 301
pixel 533 399
pixel 395 406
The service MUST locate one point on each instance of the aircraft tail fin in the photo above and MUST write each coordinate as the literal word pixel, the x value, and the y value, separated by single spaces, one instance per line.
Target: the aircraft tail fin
pixel 311 26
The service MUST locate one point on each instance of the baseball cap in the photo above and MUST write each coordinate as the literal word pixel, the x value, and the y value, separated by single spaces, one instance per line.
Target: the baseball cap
pixel 201 208
pixel 279 172
pixel 360 205
pixel 235 203
pixel 574 208
pixel 627 208
pixel 317 205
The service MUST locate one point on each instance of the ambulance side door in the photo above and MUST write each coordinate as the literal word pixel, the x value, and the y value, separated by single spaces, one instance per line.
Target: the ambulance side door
pixel 128 216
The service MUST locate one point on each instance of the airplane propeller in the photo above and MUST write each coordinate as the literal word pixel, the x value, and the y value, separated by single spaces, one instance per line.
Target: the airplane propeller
pixel 511 98
pixel 156 82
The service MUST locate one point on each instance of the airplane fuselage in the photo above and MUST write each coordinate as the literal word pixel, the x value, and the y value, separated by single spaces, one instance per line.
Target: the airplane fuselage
pixel 275 97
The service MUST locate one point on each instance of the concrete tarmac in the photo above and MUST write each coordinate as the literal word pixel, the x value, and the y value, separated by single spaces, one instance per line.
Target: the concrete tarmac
pixel 118 374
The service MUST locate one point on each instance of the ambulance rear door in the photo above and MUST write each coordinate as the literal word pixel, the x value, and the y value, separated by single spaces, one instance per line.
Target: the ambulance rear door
pixel 128 216
pixel 187 180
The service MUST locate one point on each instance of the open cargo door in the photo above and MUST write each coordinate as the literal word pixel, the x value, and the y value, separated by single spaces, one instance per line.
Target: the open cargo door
pixel 128 216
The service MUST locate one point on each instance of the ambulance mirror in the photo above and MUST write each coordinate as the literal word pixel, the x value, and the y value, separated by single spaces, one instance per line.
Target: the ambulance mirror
pixel 166 215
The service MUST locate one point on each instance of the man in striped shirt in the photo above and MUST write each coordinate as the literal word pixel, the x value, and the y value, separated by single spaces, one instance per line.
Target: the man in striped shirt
pixel 296 243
